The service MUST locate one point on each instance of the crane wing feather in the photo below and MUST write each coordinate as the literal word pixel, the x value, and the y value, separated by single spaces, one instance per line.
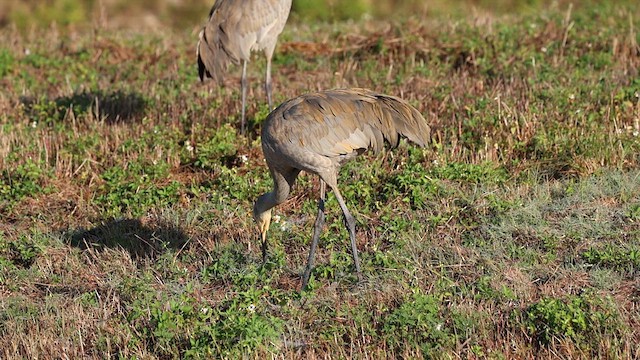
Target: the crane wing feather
pixel 342 123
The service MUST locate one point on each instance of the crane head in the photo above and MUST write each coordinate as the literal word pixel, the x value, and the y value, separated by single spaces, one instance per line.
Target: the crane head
pixel 263 220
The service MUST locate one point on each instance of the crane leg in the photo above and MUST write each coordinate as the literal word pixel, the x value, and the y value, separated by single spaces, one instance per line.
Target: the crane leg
pixel 267 84
pixel 316 234
pixel 350 222
pixel 243 84
pixel 264 250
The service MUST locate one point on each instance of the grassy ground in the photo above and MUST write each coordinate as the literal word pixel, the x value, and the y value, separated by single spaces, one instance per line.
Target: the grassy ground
pixel 126 190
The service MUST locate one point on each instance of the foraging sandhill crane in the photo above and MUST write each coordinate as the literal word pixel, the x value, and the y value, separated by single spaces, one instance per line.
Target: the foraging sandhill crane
pixel 317 133
pixel 235 28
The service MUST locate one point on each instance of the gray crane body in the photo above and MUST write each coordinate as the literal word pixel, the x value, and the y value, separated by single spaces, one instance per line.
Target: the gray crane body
pixel 317 133
pixel 236 28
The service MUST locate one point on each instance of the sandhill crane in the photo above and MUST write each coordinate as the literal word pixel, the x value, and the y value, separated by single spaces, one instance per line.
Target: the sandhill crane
pixel 317 133
pixel 235 28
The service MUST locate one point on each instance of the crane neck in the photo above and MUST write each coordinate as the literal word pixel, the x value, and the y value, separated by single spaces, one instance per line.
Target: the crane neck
pixel 264 203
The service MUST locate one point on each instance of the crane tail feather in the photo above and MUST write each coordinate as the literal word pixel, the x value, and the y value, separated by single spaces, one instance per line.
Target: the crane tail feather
pixel 214 55
pixel 402 119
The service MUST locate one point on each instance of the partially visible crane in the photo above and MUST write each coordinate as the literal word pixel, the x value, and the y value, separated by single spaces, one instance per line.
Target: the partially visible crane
pixel 235 28
pixel 318 133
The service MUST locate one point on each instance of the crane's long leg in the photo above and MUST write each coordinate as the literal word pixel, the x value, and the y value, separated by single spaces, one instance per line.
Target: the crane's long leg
pixel 350 222
pixel 264 248
pixel 267 83
pixel 316 234
pixel 243 84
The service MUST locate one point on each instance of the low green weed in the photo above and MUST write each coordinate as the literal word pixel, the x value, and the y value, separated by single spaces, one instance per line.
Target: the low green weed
pixel 485 173
pixel 17 308
pixel 340 264
pixel 232 266
pixel 613 257
pixel 181 326
pixel 136 188
pixel 414 185
pixel 486 288
pixel 21 252
pixel 6 62
pixel 25 180
pixel 634 212
pixel 223 144
pixel 578 318
pixel 420 323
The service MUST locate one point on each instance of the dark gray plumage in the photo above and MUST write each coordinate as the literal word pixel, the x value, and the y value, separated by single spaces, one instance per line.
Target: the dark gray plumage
pixel 317 133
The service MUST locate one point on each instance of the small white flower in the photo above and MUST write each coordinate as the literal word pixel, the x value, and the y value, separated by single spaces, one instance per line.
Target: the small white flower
pixel 276 218
pixel 244 158
pixel 572 97
pixel 188 146
pixel 285 226
pixel 204 310
pixel 544 49
pixel 34 124
pixel 251 308
pixel 438 327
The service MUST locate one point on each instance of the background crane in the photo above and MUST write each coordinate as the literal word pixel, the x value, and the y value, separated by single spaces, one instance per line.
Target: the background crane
pixel 317 133
pixel 235 28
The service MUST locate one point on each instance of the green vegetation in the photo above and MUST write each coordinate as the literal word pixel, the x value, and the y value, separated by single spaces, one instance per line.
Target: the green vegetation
pixel 133 191
pixel 416 324
pixel 583 319
pixel 22 181
pixel 126 187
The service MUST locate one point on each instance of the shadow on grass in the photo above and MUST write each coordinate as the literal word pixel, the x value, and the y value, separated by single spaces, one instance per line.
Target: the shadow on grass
pixel 139 239
pixel 112 107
